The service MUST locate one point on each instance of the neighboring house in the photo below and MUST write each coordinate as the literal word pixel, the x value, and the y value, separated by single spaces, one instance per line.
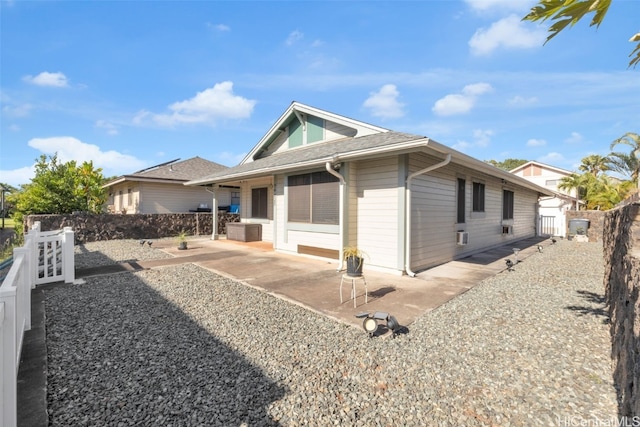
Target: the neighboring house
pixel 552 209
pixel 160 189
pixel 318 182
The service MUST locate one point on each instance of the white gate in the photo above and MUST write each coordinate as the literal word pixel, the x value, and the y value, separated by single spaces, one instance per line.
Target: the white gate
pixel 547 226
pixel 45 257
pixel 54 256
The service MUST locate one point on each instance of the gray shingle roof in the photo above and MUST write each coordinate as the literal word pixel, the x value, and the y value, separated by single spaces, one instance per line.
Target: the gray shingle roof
pixel 310 153
pixel 176 171
pixel 193 168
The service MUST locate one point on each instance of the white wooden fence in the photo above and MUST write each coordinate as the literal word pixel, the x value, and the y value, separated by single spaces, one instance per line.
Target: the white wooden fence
pixel 45 257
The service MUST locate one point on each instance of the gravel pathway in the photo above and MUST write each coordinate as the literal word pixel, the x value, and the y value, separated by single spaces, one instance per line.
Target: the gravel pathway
pixel 109 252
pixel 182 346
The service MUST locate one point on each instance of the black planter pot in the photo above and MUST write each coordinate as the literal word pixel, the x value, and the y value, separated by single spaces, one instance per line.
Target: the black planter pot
pixel 354 266
pixel 182 246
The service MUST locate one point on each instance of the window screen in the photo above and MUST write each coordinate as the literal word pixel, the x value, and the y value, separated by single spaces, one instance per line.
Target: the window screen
pixel 478 197
pixel 507 204
pixel 313 198
pixel 259 202
pixel 461 200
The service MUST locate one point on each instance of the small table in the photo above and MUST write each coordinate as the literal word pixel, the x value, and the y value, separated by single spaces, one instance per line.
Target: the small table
pixel 353 287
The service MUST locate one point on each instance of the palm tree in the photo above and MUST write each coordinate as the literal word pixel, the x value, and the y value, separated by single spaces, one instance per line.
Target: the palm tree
pixel 594 164
pixel 627 163
pixel 574 185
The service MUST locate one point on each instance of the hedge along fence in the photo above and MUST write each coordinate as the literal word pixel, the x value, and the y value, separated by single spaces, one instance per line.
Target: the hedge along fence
pixel 93 227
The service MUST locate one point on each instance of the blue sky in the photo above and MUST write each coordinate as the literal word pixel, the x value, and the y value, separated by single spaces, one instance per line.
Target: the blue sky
pixel 130 84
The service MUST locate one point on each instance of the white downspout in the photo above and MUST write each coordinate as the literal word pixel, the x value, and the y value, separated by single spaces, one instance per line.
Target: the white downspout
pixel 330 169
pixel 407 251
pixel 214 212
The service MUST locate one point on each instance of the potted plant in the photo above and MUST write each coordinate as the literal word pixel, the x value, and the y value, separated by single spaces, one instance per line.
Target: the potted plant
pixel 355 259
pixel 182 240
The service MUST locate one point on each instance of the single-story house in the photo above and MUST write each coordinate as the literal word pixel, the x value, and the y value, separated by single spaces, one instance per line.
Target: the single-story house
pixel 160 189
pixel 553 220
pixel 318 182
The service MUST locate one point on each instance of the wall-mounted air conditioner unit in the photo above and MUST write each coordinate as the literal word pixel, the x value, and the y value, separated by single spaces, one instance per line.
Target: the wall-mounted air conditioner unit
pixel 462 238
pixel 507 229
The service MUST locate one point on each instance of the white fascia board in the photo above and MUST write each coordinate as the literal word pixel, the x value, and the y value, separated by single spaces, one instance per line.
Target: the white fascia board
pixel 473 163
pixel 129 178
pixel 352 155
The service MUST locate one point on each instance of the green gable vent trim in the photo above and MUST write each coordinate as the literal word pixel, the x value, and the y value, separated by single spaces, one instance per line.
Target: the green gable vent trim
pixel 295 134
pixel 315 129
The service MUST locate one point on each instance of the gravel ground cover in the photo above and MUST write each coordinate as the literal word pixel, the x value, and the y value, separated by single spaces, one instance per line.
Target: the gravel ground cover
pixel 109 252
pixel 182 346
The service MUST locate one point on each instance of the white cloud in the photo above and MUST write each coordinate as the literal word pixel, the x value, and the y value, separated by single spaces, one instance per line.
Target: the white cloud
pixel 536 142
pixel 508 33
pixel 18 110
pixel 499 5
pixel 48 79
pixel 460 103
pixel 575 138
pixel 17 177
pixel 520 101
pixel 219 27
pixel 384 103
pixel 294 37
pixel 462 146
pixel 481 139
pixel 110 127
pixel 551 158
pixel 208 106
pixel 70 148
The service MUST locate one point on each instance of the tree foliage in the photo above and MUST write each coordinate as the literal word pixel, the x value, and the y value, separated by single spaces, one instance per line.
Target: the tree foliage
pixel 507 164
pixel 627 164
pixel 563 13
pixel 60 188
pixel 593 187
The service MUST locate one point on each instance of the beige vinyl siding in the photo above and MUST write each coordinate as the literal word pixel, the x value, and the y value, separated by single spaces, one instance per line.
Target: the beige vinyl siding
pixel 123 199
pixel 433 219
pixel 279 236
pixel 377 212
pixel 245 205
pixel 171 198
pixel 316 240
pixel 524 214
pixel 433 212
pixel 280 144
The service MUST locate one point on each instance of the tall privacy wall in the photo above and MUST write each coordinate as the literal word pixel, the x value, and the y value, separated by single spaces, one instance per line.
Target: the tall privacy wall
pixel 92 227
pixel 622 272
pixel 596 222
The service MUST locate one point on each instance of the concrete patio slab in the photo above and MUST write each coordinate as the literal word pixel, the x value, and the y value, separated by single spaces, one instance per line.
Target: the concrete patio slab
pixel 314 283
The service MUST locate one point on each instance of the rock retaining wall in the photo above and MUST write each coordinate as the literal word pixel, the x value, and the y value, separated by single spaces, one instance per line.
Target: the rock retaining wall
pixel 92 227
pixel 621 242
pixel 596 223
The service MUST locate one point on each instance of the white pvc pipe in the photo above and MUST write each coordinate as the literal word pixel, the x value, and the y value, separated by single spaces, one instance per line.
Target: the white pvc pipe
pixel 407 252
